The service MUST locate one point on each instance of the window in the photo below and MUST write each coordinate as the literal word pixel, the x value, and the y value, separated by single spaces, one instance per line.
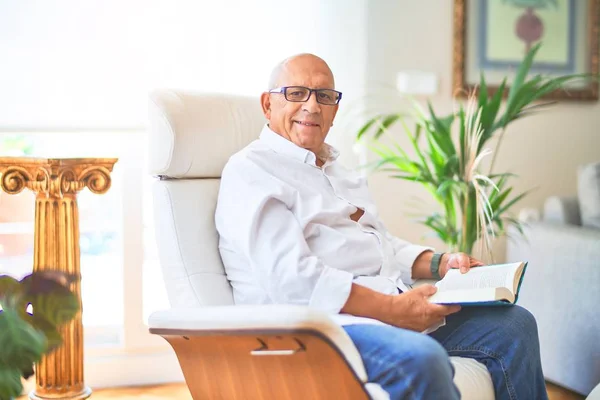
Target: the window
pixel 100 222
pixel 92 69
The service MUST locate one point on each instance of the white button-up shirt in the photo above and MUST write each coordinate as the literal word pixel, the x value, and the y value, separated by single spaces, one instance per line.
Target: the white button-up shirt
pixel 286 235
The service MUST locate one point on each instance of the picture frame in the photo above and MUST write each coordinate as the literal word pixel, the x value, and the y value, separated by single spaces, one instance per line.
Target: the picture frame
pixel 493 36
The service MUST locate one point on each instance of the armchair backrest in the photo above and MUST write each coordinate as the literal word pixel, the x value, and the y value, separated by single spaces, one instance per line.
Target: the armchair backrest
pixel 191 137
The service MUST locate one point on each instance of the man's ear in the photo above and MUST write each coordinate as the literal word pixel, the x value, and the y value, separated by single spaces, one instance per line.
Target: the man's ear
pixel 335 110
pixel 265 102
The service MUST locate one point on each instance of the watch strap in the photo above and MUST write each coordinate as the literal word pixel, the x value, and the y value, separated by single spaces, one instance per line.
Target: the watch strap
pixel 435 265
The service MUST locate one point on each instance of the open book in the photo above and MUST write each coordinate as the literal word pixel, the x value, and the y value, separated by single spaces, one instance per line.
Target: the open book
pixel 482 286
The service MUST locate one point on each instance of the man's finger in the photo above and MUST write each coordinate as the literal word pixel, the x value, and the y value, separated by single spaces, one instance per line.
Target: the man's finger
pixel 441 309
pixel 464 262
pixel 426 290
pixel 476 263
pixel 453 309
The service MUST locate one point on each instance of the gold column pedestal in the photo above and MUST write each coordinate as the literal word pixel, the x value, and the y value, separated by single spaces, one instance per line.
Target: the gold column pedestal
pixel 56 182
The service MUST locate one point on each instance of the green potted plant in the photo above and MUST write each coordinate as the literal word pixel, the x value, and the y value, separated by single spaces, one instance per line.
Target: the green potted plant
pixel 32 310
pixel 448 151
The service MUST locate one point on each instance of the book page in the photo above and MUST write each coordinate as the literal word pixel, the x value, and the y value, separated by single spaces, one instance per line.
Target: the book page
pixel 501 275
pixel 472 296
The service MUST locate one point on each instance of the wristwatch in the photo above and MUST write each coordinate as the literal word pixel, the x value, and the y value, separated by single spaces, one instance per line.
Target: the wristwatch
pixel 435 265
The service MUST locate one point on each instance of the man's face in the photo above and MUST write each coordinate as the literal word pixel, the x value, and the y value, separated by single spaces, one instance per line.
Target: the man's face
pixel 304 123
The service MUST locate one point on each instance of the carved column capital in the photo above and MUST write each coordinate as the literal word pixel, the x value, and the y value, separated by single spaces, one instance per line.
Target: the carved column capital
pixel 55 177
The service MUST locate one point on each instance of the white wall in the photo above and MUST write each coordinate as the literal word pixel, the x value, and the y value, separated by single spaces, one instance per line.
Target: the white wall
pixel 543 150
pixel 342 42
pixel 80 65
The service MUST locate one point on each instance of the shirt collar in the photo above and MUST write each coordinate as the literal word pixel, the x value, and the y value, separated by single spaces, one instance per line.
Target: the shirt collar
pixel 279 144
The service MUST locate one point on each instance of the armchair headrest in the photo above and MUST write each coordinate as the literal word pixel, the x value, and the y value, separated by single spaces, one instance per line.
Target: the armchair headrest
pixel 192 135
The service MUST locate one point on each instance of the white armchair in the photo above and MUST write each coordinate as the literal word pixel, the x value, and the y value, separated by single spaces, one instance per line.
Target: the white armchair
pixel 228 351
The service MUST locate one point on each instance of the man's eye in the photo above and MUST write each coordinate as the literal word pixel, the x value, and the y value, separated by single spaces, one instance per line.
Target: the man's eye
pixel 296 93
pixel 324 96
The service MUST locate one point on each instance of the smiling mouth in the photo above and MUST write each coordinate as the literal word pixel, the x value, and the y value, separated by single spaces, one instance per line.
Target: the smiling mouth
pixel 306 123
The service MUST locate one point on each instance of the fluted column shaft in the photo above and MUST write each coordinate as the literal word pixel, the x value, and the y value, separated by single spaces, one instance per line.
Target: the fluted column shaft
pixel 56 182
pixel 57 244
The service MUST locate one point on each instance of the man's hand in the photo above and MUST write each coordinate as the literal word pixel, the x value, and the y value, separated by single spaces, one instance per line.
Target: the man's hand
pixel 412 310
pixel 461 261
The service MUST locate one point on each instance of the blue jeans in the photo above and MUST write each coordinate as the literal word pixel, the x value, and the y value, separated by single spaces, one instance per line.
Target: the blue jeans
pixel 411 365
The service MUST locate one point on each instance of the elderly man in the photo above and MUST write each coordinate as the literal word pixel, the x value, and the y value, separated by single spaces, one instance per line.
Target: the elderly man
pixel 297 228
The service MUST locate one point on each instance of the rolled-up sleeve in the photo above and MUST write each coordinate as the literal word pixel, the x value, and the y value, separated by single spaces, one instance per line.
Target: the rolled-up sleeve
pixel 405 254
pixel 255 219
pixel 332 290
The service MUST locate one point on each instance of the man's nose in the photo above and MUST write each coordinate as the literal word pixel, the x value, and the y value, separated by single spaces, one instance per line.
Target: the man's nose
pixel 311 105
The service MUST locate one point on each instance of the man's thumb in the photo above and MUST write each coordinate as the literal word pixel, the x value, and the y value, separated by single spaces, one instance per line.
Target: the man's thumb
pixel 426 290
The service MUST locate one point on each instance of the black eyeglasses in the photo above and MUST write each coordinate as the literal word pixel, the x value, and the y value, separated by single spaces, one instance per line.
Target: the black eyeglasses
pixel 328 97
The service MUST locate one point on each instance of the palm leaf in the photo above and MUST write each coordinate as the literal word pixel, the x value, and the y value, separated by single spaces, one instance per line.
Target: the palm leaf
pixel 524 68
pixel 494 104
pixel 436 223
pixel 462 140
pixel 445 186
pixel 489 114
pixel 400 163
pixel 517 224
pixel 512 202
pixel 409 178
pixel 418 130
pixel 440 131
pixel 437 157
pixel 366 127
pixel 414 141
pixel 497 199
pixel 451 168
pixel 483 93
pixel 525 95
pixel 504 175
pixel 499 223
pixel 384 123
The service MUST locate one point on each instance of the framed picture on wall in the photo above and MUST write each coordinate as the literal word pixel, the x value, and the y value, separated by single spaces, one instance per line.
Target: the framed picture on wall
pixel 493 36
